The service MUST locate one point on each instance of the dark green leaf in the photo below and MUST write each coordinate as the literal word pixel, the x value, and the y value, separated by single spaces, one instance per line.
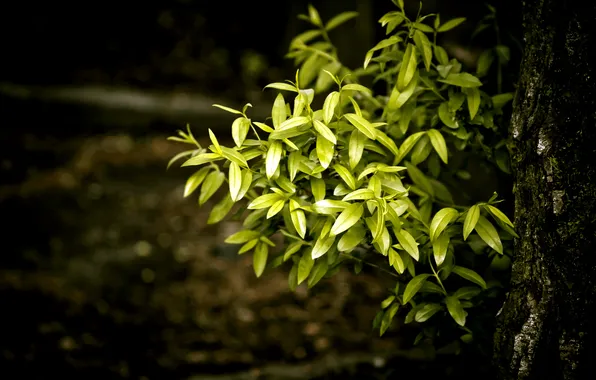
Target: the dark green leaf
pixel 388 318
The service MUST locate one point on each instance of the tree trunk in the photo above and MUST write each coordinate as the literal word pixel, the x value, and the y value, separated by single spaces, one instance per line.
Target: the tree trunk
pixel 546 327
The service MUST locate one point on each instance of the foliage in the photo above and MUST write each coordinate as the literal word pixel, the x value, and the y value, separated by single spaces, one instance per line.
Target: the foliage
pixel 351 176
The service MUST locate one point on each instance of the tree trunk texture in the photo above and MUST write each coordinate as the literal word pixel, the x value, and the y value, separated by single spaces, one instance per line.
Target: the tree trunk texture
pixel 546 327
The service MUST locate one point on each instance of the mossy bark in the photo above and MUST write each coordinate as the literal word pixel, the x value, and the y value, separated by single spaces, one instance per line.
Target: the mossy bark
pixel 546 327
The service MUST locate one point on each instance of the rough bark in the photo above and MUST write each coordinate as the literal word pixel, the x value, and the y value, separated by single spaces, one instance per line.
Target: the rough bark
pixel 546 327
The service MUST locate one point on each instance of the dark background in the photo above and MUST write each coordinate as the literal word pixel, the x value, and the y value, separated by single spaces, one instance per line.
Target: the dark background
pixel 106 271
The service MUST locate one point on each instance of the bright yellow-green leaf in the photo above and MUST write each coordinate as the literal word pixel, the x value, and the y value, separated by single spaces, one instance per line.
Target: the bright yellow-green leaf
pixel 314 17
pixel 245 186
pixel 263 126
pixel 356 147
pixel 421 151
pixel 331 102
pixel 362 124
pixel 407 145
pixel 438 142
pixel 387 142
pixel 446 116
pixel 220 210
pixel 234 156
pixel 275 208
pixel 351 239
pixel 465 80
pixel 489 234
pixel 317 187
pixel 293 162
pixel 441 220
pixel 348 217
pixel 451 24
pixel 241 237
pixel 396 261
pixel 212 183
pixel 214 141
pixel 359 195
pixel 228 109
pixel 456 310
pixel 469 275
pixel 259 259
pixel 324 151
pixel 440 245
pixel 441 55
pixel 405 95
pixel 273 157
pixel 423 45
pixel 427 311
pixel 278 113
pixel 234 180
pixel 294 122
pixel 473 95
pixel 202 158
pixel 248 246
pixel 322 245
pixel 240 128
pixel 408 243
pixel 282 86
pixel 339 19
pixel 292 249
pixel 264 201
pixel 195 180
pixel 356 87
pixel 408 68
pixel 324 131
pixel 299 222
pixel 328 206
pixel 499 214
pixel 317 272
pixel 414 286
pixel 345 174
pixel 471 219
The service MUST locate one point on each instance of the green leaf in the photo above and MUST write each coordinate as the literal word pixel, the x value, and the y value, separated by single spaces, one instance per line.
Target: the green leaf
pixel 440 245
pixel 317 273
pixel 500 100
pixel 473 95
pixel 387 302
pixel 396 261
pixel 294 160
pixel 348 217
pixel 441 220
pixel 212 183
pixel 324 131
pixel 263 126
pixel 282 86
pixel 328 206
pixel 414 286
pixel 313 16
pixel 471 219
pixel 489 234
pixel 317 187
pixel 467 292
pixel 427 311
pixel 465 80
pixel 407 145
pixel 292 249
pixel 408 68
pixel 273 157
pixel 469 275
pixel 388 318
pixel 234 156
pixel 441 55
pixel 359 195
pixel 245 186
pixel 322 245
pixel 304 267
pixel 259 259
pixel 299 222
pixel 438 142
pixel 201 159
pixel 356 87
pixel 324 151
pixel 331 102
pixel 220 210
pixel 498 214
pixel 381 45
pixel 294 122
pixel 451 24
pixel 456 310
pixel 485 60
pixel 195 180
pixel 235 180
pixel 351 239
pixel 387 142
pixel 346 176
pixel 231 110
pixel 275 208
pixel 241 237
pixel 240 128
pixel 278 113
pixel 446 116
pixel 423 45
pixel 408 243
pixel 362 124
pixel 340 19
pixel 356 147
pixel 264 201
pixel 214 141
pixel 420 179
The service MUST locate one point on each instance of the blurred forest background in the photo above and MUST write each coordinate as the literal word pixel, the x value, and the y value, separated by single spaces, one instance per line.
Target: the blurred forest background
pixel 106 270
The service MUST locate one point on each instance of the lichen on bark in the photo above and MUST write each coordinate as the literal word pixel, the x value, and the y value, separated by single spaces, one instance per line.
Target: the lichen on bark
pixel 545 330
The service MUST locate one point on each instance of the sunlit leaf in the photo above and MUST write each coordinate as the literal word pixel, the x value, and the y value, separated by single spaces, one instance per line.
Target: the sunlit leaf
pixel 456 310
pixel 414 286
pixel 212 183
pixel 451 24
pixel 362 124
pixel 299 221
pixel 427 311
pixel 438 142
pixel 282 86
pixel 340 19
pixel 322 245
pixel 408 243
pixel 220 210
pixel 324 151
pixel 260 258
pixel 469 275
pixel 348 217
pixel 329 106
pixel 195 180
pixel 440 245
pixel 273 157
pixel 489 234
pixel 388 318
pixel 441 220
pixel 324 131
pixel 472 216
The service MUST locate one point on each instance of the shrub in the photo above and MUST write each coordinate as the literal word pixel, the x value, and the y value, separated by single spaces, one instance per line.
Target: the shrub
pixel 361 177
